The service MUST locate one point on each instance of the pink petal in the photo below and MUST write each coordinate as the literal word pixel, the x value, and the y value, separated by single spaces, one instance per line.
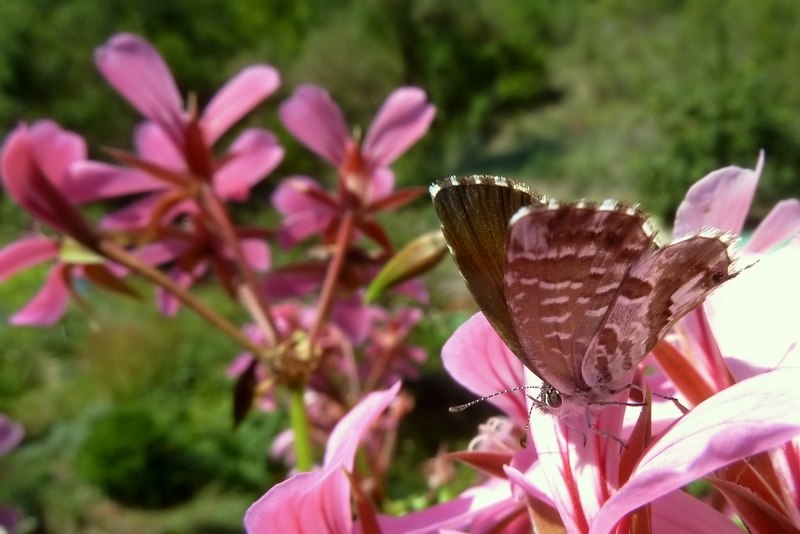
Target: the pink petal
pixel 154 144
pixel 18 165
pixel 316 121
pixel 239 365
pixel 283 284
pixel 49 304
pixel 292 196
pixel 680 513
pixel 162 252
pixel 304 214
pixel 353 318
pixel 580 477
pixel 780 225
pixel 236 98
pixel 27 184
pixel 300 226
pixel 282 447
pixel 54 150
pixel 747 418
pixel 754 317
pixel 254 155
pixel 257 253
pixel 166 301
pixel 319 501
pixel 531 483
pixel 25 253
pixel 137 71
pixel 784 460
pixel 137 214
pixel 344 440
pixel 381 184
pixel 9 518
pixel 11 434
pixel 720 200
pixel 402 121
pixel 93 180
pixel 492 498
pixel 477 358
pixel 413 289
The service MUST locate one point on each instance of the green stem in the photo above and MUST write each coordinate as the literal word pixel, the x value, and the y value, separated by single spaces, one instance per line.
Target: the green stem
pixel 302 436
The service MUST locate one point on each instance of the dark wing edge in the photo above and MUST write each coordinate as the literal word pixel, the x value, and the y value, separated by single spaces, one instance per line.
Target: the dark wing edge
pixel 474 212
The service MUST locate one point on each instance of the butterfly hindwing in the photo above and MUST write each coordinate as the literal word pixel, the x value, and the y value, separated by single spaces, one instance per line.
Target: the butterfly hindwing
pixel 564 267
pixel 475 212
pixel 658 292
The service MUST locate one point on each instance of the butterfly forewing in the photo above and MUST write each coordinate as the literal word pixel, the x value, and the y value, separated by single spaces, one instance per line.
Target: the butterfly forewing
pixel 564 268
pixel 475 213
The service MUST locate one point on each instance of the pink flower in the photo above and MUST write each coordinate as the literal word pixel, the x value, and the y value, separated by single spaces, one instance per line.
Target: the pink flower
pixel 599 487
pixel 477 358
pixel 35 166
pixel 721 200
pixel 11 434
pixel 50 304
pixel 387 355
pixel 319 501
pixel 301 278
pixel 174 148
pixel 365 180
pixel 594 487
pixel 193 251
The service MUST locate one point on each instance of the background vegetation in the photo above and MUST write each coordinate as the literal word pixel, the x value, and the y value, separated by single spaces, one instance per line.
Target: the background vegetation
pixel 582 99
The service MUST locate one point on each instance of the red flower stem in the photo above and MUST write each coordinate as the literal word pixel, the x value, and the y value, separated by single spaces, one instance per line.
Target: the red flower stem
pixel 379 369
pixel 116 253
pixel 261 311
pixel 332 275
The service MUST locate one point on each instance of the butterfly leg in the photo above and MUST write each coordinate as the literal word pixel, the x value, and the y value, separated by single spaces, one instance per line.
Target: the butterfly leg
pixel 600 432
pixel 683 409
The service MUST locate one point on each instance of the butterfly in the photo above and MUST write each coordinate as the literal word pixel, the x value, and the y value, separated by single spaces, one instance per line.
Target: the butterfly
pixel 579 292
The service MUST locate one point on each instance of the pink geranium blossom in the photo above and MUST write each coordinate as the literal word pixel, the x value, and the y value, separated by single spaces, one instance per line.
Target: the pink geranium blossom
pixel 50 304
pixel 587 484
pixel 174 147
pixel 595 486
pixel 193 251
pixel 722 200
pixel 319 501
pixel 365 180
pixel 37 164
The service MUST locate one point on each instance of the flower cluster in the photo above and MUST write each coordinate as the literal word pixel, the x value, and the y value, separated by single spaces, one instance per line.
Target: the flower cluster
pixel 312 344
pixel 734 361
pixel 717 399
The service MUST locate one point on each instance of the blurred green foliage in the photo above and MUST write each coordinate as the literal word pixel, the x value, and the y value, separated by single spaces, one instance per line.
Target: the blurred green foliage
pixel 582 99
pixel 613 98
pixel 138 461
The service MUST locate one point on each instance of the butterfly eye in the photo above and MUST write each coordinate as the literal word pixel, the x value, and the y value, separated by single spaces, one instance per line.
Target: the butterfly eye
pixel 717 277
pixel 551 397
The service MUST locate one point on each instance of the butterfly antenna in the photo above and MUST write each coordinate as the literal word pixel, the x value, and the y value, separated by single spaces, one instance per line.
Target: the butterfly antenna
pixel 462 407
pixel 523 441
